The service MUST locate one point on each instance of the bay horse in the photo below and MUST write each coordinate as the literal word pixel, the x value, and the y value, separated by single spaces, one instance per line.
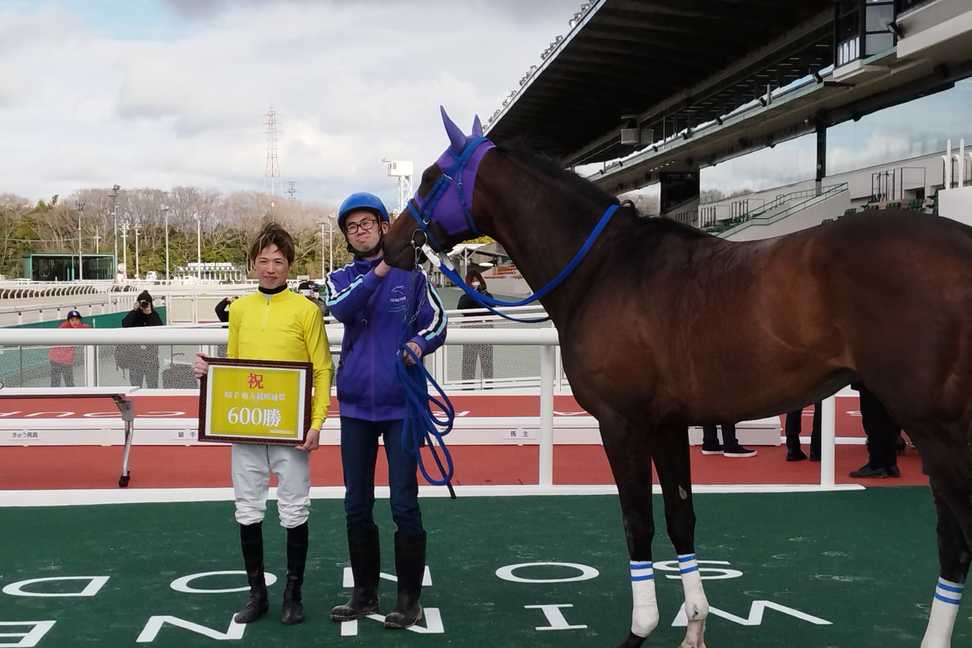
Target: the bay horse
pixel 662 326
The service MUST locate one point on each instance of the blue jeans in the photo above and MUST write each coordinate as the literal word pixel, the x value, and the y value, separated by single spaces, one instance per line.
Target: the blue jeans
pixel 359 451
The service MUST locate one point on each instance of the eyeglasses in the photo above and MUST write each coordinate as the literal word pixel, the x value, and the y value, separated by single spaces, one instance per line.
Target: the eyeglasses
pixel 144 304
pixel 364 226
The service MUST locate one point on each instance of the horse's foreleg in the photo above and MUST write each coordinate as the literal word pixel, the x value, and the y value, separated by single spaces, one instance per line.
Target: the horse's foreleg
pixel 627 452
pixel 953 557
pixel 671 456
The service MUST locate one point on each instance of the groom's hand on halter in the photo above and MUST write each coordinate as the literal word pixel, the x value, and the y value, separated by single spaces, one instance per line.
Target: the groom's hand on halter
pixel 382 269
pixel 416 349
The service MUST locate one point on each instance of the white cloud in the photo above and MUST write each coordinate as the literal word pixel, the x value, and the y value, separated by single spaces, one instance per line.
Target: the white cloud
pixel 352 82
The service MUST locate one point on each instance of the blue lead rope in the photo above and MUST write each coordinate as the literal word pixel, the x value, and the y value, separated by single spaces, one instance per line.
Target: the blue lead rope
pixel 421 426
pixel 489 302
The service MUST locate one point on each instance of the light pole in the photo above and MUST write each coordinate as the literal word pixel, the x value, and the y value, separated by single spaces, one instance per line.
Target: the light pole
pixel 124 229
pixel 114 219
pixel 198 245
pixel 330 243
pixel 165 218
pixel 80 206
pixel 136 228
pixel 323 273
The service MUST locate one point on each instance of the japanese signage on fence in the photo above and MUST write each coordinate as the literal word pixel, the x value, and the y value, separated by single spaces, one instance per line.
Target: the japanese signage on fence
pixel 255 401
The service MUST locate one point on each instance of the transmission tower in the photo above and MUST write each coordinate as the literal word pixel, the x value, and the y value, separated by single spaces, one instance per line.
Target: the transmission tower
pixel 292 189
pixel 272 170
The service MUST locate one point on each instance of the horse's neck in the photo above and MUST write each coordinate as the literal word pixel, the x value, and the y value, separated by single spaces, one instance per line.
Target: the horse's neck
pixel 542 232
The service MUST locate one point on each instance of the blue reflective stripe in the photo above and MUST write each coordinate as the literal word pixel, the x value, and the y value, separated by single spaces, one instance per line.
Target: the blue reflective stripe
pixel 640 565
pixel 686 557
pixel 951 588
pixel 689 570
pixel 947 600
pixel 643 578
pixel 347 291
pixel 439 318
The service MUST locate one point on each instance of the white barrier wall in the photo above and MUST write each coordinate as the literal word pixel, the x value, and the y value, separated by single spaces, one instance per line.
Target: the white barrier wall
pixel 956 204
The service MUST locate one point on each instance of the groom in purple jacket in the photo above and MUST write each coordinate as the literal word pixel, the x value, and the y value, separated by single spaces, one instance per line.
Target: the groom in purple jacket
pixel 382 309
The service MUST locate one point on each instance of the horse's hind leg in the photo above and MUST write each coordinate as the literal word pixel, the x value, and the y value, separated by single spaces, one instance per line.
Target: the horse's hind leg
pixel 953 558
pixel 948 462
pixel 627 452
pixel 670 451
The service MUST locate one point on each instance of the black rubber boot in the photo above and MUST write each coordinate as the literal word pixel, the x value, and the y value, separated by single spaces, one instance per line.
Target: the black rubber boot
pixel 292 610
pixel 410 566
pixel 251 539
pixel 363 548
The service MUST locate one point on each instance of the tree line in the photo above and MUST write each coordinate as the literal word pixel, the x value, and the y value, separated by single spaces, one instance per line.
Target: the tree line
pixel 228 222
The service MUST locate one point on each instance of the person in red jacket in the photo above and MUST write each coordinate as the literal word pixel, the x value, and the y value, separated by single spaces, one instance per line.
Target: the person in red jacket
pixel 62 357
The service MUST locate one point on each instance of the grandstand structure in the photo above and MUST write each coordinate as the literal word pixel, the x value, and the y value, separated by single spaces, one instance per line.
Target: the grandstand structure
pixel 652 92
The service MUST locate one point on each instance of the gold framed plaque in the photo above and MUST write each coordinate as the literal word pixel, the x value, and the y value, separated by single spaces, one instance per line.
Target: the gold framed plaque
pixel 255 401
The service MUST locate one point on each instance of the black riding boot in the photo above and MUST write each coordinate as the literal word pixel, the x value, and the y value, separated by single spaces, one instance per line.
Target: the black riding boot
pixel 363 547
pixel 292 610
pixel 251 539
pixel 410 566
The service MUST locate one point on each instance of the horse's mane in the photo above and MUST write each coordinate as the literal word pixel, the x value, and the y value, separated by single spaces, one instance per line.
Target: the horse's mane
pixel 554 169
pixel 569 181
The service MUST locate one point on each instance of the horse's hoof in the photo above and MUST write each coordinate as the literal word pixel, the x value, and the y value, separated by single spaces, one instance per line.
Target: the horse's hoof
pixel 632 641
pixel 686 644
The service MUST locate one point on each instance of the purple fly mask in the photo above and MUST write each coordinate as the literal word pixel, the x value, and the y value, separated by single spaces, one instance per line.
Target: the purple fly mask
pixel 451 209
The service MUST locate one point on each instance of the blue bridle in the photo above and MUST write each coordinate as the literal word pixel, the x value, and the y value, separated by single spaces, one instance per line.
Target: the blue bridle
pixel 424 219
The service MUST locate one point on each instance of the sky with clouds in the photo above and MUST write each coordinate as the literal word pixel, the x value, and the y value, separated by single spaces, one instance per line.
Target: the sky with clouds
pixel 159 93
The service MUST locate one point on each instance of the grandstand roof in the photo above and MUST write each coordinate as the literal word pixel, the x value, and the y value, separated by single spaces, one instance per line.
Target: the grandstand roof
pixel 666 63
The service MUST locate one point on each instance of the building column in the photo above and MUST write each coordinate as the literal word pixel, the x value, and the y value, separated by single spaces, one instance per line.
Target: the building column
pixel 821 156
pixel 676 188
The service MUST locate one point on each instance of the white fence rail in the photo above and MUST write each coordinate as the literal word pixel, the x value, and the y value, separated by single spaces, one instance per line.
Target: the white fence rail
pixel 545 339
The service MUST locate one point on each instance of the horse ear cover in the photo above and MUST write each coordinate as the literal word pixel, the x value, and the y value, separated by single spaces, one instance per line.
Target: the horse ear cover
pixel 457 140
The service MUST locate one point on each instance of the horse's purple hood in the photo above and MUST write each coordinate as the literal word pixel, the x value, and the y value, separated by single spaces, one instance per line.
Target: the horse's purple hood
pixel 448 211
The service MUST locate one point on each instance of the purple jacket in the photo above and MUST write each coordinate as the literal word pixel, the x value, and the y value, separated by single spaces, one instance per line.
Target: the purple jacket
pixel 379 317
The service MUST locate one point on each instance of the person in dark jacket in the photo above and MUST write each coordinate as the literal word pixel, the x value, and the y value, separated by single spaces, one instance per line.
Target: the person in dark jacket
pixel 473 352
pixel 222 308
pixel 882 436
pixel 730 446
pixel 222 313
pixel 142 360
pixel 382 309
pixel 794 423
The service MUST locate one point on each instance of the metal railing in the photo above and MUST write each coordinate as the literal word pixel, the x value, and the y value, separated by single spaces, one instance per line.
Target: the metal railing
pixel 775 215
pixel 545 339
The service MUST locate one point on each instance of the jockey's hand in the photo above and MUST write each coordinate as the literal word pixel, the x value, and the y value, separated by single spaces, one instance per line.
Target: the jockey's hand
pixel 200 368
pixel 311 442
pixel 382 269
pixel 416 349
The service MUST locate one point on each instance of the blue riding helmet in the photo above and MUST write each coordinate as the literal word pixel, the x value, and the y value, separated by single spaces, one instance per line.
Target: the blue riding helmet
pixel 362 200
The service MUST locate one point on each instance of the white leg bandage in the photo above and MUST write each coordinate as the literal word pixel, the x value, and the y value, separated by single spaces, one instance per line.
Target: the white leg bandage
pixel 945 606
pixel 696 605
pixel 644 611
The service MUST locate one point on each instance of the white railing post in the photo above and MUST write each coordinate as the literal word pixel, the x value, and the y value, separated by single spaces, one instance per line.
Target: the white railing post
pixel 947 168
pixel 441 367
pixel 546 415
pixel 961 163
pixel 828 424
pixel 90 365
